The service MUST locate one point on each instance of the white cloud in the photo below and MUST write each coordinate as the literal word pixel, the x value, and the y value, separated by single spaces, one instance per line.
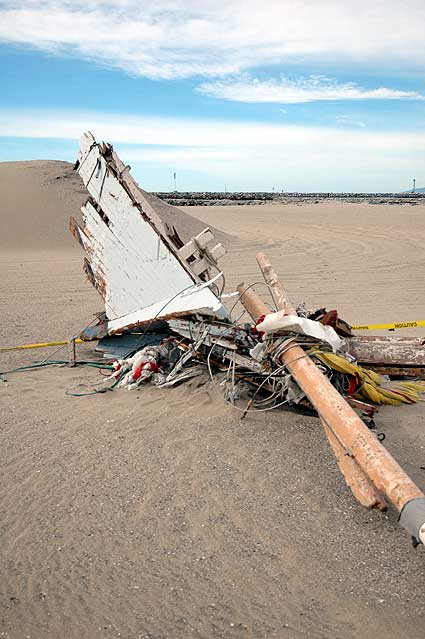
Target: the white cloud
pixel 184 38
pixel 348 121
pixel 245 155
pixel 200 134
pixel 180 155
pixel 287 91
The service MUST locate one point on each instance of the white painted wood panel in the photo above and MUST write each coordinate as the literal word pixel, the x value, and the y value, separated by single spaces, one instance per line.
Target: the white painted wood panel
pixel 132 259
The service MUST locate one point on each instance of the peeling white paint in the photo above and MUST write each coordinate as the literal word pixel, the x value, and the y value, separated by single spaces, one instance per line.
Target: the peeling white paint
pixel 132 258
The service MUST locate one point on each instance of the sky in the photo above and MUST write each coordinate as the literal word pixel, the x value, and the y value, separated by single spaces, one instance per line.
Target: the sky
pixel 247 95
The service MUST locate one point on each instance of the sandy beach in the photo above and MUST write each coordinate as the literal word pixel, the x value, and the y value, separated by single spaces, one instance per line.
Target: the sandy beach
pixel 159 513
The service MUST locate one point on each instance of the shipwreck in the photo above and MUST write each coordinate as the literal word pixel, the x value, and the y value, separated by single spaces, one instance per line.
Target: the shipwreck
pixel 167 317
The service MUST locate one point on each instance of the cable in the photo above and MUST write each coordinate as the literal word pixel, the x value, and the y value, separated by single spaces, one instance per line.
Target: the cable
pixel 247 289
pixel 251 401
pixel 149 324
pixel 57 363
pixel 273 373
pixel 99 390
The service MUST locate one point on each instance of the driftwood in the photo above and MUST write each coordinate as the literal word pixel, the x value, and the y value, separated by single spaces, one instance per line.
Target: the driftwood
pixel 390 355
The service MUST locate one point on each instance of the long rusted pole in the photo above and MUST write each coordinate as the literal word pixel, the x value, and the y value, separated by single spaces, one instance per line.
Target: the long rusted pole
pixel 360 485
pixel 362 488
pixel 277 291
pixel 353 434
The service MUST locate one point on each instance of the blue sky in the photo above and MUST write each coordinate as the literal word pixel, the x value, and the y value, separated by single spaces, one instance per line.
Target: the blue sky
pixel 315 95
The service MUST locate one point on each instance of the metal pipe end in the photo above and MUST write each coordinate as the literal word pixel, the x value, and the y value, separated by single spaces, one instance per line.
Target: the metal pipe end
pixel 412 519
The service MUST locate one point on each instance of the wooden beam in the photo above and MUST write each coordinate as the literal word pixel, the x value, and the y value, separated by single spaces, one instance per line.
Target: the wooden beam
pixel 390 351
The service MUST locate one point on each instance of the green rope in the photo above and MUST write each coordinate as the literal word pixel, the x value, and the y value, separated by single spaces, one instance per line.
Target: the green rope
pixel 99 390
pixel 58 363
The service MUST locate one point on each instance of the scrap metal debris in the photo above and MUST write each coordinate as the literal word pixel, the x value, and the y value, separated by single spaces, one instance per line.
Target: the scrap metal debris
pixel 165 321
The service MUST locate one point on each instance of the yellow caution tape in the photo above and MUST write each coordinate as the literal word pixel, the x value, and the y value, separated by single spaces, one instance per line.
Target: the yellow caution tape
pixel 360 327
pixel 391 327
pixel 41 345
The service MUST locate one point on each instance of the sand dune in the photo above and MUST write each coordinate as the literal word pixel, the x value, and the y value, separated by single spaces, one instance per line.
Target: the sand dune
pixel 39 196
pixel 36 199
pixel 158 513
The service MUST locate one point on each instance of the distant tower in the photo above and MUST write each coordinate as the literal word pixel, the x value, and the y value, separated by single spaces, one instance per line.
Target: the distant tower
pixel 175 181
pixel 414 185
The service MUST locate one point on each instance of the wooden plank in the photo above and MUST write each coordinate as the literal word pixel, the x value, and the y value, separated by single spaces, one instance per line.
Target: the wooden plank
pixel 130 258
pixel 391 350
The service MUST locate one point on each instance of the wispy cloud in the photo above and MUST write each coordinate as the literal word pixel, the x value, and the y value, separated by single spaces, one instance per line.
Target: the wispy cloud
pixel 197 133
pixel 307 89
pixel 348 121
pixel 245 155
pixel 180 155
pixel 185 38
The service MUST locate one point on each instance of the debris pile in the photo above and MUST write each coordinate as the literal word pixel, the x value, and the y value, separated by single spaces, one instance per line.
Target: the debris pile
pixel 167 319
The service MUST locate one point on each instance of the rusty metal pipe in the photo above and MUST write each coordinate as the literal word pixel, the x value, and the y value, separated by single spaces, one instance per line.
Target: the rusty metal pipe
pixel 249 300
pixel 362 488
pixel 280 296
pixel 359 483
pixel 352 433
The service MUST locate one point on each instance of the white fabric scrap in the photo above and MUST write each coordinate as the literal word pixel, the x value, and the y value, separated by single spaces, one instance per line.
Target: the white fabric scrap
pixel 280 323
pixel 257 353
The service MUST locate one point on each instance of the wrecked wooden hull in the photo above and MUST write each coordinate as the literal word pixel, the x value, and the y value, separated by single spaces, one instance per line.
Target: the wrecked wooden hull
pixel 139 262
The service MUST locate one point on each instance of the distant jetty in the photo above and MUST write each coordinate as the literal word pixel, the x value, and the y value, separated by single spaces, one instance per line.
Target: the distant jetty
pixel 209 198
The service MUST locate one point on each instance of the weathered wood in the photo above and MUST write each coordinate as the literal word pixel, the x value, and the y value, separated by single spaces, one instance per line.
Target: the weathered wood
pixel 396 371
pixel 72 349
pixel 131 258
pixel 392 351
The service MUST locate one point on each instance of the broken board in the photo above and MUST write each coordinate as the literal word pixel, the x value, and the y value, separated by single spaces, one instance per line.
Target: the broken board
pixel 132 254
